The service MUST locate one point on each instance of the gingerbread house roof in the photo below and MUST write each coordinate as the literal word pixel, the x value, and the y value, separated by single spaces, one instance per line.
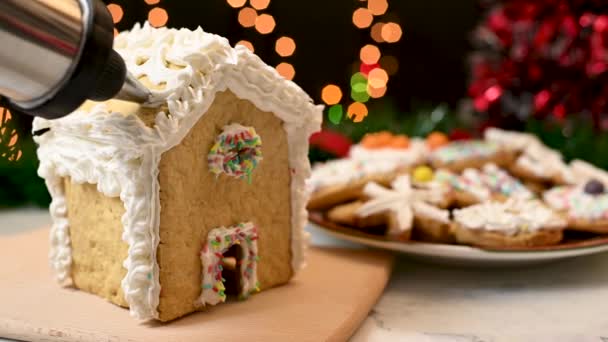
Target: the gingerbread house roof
pixel 120 153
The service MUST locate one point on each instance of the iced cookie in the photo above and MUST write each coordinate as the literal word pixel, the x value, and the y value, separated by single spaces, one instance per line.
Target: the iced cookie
pixel 536 163
pixel 385 146
pixel 402 204
pixel 584 172
pixel 345 214
pixel 510 140
pixel 585 205
pixel 436 192
pixel 490 183
pixel 514 223
pixel 461 155
pixel 342 180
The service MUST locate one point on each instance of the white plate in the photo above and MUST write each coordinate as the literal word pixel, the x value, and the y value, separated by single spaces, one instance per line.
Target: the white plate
pixel 471 256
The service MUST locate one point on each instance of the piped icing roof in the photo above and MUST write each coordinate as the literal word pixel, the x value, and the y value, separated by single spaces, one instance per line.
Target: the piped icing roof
pixel 117 151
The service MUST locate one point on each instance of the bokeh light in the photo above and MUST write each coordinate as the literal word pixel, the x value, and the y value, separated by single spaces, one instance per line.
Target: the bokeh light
pixel 377 7
pixel 115 32
pixel 236 3
pixel 152 2
pixel 259 4
pixel 376 92
pixel 265 23
pixel 391 32
pixel 247 17
pixel 357 111
pixel 362 18
pixel 158 17
pixel 246 44
pixel 116 12
pixel 285 46
pixel 331 94
pixel 359 92
pixel 376 32
pixel 335 114
pixel 377 78
pixel 390 64
pixel 286 70
pixel 370 54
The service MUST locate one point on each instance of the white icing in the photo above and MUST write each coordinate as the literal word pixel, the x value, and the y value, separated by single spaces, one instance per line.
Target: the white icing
pixel 584 172
pixel 343 171
pixel 577 203
pixel 414 154
pixel 510 217
pixel 536 158
pixel 402 201
pixel 121 155
pixel 510 139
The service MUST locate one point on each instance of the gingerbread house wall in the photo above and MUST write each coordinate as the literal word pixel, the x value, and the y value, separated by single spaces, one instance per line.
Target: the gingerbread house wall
pixel 193 202
pixel 98 250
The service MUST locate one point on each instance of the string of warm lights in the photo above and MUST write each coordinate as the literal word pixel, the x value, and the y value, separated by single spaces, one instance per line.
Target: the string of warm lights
pixel 374 69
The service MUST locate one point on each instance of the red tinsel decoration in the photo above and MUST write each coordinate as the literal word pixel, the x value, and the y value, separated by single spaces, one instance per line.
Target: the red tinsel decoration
pixel 332 142
pixel 541 57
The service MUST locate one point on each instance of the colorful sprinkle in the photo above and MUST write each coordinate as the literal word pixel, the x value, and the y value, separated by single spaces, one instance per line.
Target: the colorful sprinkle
pixel 219 241
pixel 236 152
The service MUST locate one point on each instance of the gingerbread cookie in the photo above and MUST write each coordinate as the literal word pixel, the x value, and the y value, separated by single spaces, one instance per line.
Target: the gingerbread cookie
pixel 342 180
pixel 402 204
pixel 514 223
pixel 345 214
pixel 384 146
pixel 460 155
pixel 491 182
pixel 435 192
pixel 585 205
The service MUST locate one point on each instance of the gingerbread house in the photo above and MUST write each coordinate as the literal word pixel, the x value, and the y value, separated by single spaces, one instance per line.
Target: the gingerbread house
pixel 172 208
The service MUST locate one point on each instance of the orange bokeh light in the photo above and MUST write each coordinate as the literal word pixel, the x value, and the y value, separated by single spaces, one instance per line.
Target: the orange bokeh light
pixel 377 78
pixel 376 32
pixel 259 4
pixel 236 3
pixel 158 17
pixel 391 32
pixel 285 46
pixel 362 18
pixel 246 44
pixel 265 23
pixel 390 64
pixel 286 70
pixel 377 7
pixel 376 92
pixel 331 94
pixel 116 12
pixel 370 54
pixel 358 110
pixel 115 32
pixel 247 17
pixel 152 2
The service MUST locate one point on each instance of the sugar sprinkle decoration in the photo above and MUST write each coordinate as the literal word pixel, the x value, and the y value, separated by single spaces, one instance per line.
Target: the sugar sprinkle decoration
pixel 460 150
pixel 218 242
pixel 237 151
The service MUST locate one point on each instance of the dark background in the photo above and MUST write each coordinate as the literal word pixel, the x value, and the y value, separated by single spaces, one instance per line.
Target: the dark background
pixel 432 51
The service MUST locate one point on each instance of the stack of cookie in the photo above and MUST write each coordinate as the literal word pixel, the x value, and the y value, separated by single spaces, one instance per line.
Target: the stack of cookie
pixel 506 190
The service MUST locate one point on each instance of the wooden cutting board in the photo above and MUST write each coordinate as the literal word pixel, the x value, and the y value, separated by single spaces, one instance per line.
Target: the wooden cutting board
pixel 326 302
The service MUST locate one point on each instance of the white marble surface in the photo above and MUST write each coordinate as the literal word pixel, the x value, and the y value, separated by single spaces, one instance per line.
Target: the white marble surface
pixel 560 302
